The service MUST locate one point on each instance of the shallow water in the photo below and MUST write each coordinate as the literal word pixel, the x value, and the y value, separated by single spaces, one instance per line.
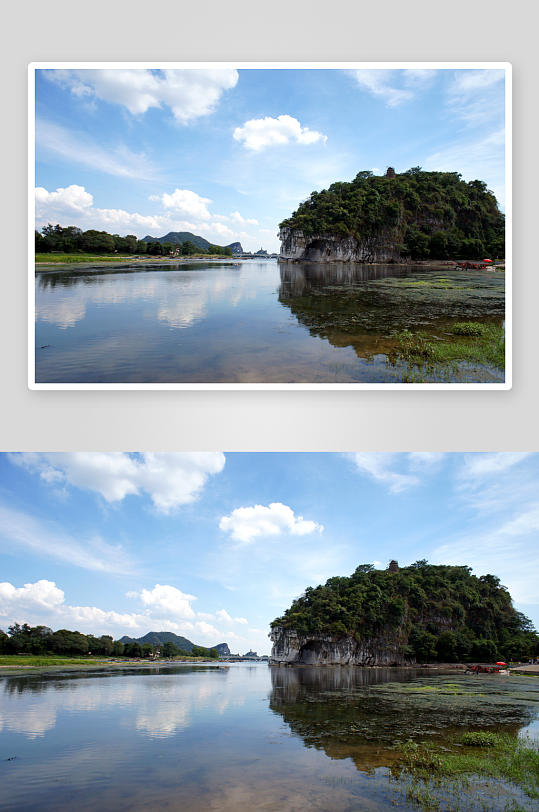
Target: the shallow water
pixel 256 322
pixel 247 737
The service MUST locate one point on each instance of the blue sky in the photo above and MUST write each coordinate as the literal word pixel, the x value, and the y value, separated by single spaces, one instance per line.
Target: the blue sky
pixel 228 153
pixel 214 546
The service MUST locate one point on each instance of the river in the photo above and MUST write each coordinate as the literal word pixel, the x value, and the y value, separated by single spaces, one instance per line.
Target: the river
pixel 198 738
pixel 255 322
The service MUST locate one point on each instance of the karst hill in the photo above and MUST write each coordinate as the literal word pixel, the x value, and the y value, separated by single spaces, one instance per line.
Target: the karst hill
pixel 401 616
pixel 414 215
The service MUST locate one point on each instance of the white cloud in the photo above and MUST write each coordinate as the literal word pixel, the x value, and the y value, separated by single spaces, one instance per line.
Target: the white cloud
pixel 264 132
pixel 237 218
pixel 42 594
pixel 73 206
pixel 43 603
pixel 170 478
pixel 166 599
pixel 74 198
pixel 189 93
pixel 25 533
pixel 479 466
pixel 377 82
pixel 245 524
pixel 224 617
pixel 76 148
pixel 425 459
pixel 475 96
pixel 382 82
pixel 377 465
pixel 188 203
pixel 503 549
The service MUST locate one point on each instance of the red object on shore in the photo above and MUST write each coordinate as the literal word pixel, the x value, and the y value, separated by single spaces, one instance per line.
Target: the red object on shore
pixel 488 260
pixel 501 663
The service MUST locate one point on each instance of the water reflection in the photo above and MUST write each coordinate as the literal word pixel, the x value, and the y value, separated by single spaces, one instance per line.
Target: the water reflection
pixel 302 279
pixel 338 300
pixel 161 707
pixel 350 712
pixel 256 323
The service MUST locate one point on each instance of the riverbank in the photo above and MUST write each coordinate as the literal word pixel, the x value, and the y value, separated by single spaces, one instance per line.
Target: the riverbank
pixel 88 263
pixel 45 665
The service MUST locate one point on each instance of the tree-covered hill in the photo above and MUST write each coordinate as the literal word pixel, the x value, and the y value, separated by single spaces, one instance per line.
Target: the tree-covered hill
pixel 159 639
pixel 72 240
pixel 437 611
pixel 176 237
pixel 423 214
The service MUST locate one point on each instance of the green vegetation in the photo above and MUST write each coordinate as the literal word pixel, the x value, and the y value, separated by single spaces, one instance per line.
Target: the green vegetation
pixel 436 612
pixel 38 643
pixel 75 259
pixel 41 662
pixel 421 214
pixel 424 354
pixel 59 244
pixel 503 774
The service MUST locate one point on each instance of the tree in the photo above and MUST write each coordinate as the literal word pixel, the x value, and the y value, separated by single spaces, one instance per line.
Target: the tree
pixel 446 646
pixel 188 248
pixel 147 650
pixel 117 648
pixel 423 643
pixel 169 650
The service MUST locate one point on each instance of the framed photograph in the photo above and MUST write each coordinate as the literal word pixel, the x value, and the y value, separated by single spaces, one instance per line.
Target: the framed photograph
pixel 270 226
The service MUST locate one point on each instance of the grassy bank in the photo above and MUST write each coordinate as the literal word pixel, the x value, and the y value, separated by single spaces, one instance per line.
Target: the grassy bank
pixel 475 771
pixel 467 342
pixel 80 259
pixel 76 259
pixel 14 662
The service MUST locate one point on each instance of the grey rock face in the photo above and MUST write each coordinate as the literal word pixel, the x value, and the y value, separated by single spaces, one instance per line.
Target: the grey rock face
pixel 291 648
pixel 299 247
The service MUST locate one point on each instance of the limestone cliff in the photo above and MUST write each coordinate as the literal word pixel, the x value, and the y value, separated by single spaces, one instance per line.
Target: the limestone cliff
pixel 291 648
pixel 296 246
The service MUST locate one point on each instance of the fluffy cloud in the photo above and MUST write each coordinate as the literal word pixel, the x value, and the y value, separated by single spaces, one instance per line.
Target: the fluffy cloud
pixel 224 617
pixel 189 93
pixel 73 206
pixel 170 478
pixel 188 203
pixel 166 599
pixel 43 594
pixel 43 603
pixel 259 133
pixel 245 524
pixel 377 466
pixel 74 198
pixel 237 218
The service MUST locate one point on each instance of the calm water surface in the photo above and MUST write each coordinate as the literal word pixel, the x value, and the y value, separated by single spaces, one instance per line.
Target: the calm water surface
pixel 198 738
pixel 255 322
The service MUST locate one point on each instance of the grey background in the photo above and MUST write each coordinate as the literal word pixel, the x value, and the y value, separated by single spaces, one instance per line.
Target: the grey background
pixel 268 30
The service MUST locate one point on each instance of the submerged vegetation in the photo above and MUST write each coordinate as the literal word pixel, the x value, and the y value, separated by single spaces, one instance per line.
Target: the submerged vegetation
pixel 484 344
pixel 437 612
pixel 477 770
pixel 422 214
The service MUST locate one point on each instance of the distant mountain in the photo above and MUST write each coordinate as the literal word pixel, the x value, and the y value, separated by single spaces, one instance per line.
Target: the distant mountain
pixel 159 639
pixel 176 237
